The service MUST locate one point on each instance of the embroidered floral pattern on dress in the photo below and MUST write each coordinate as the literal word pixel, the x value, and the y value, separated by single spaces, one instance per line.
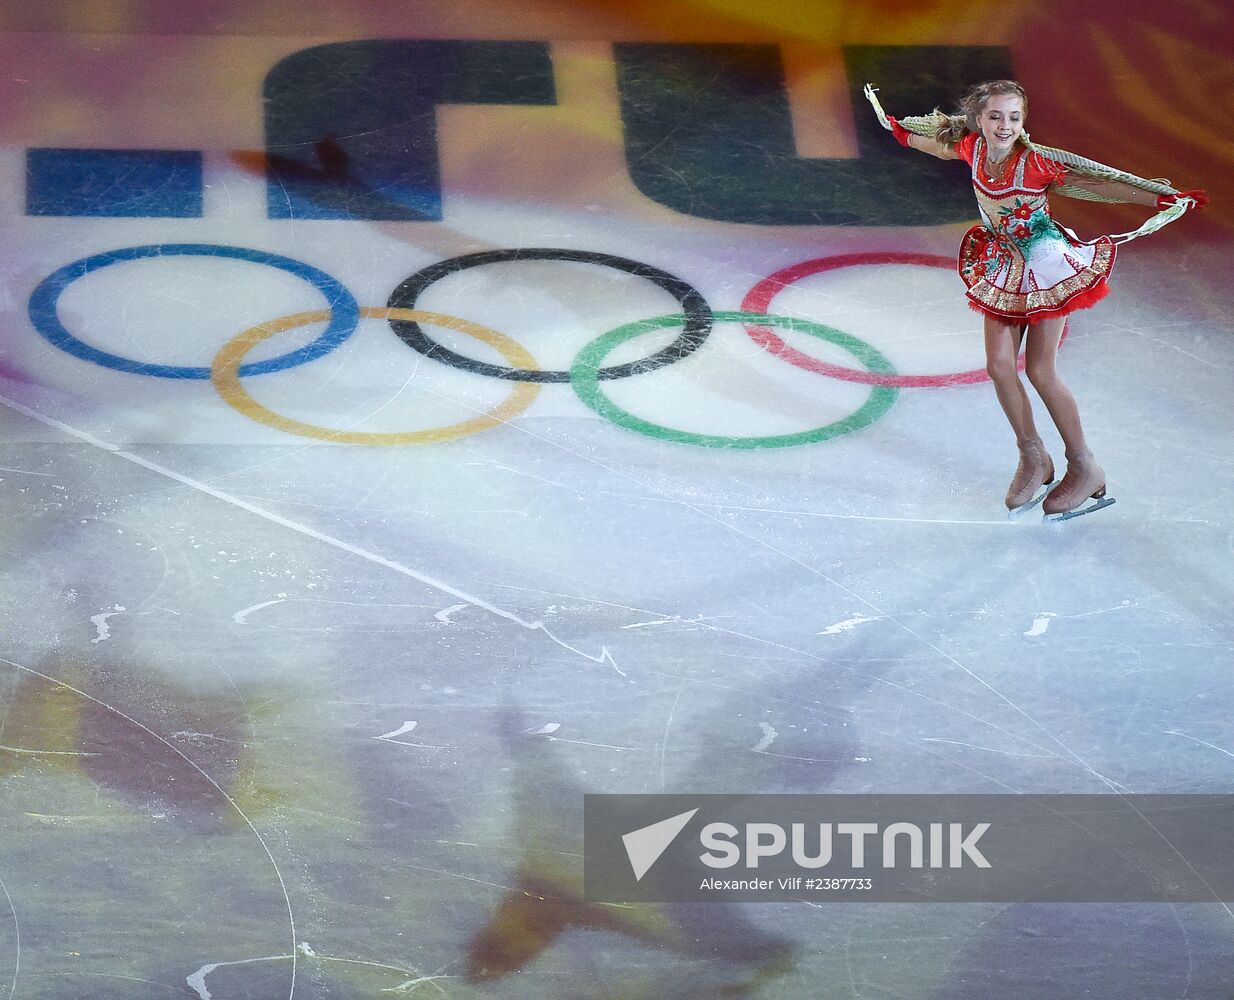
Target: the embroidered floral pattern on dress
pixel 986 256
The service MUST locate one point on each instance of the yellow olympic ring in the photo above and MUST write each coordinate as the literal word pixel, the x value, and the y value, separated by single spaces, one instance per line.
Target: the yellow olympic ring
pixel 225 374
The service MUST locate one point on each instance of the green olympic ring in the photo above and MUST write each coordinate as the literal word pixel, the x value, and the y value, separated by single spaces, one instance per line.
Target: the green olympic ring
pixel 585 379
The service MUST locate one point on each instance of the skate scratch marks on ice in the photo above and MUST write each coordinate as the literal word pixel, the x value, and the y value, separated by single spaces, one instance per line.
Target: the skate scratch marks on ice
pixel 769 735
pixel 101 627
pixel 848 624
pixel 968 671
pixel 402 730
pixel 241 617
pixel 604 656
pixel 675 620
pixel 795 651
pixel 291 920
pixel 791 557
pixel 848 517
pixel 444 614
pixel 27 472
pixel 406 727
pixel 408 986
pixel 113 975
pixel 17 939
pixel 1105 611
pixel 198 979
pixel 668 723
pixel 191 734
pixel 549 728
pixel 973 746
pixel 466 878
pixel 1041 623
pixel 1175 732
pixel 49 753
pixel 1173 346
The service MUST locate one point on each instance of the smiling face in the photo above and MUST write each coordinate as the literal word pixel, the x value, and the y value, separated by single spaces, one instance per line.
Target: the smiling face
pixel 1001 122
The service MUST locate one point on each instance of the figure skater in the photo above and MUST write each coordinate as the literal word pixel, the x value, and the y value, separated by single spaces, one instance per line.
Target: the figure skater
pixel 1025 274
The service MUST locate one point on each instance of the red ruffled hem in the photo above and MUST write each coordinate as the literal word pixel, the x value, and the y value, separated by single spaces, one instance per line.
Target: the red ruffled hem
pixel 1082 300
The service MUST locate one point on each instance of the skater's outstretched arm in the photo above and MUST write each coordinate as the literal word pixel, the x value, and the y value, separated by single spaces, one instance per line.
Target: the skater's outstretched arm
pixel 1119 191
pixel 920 142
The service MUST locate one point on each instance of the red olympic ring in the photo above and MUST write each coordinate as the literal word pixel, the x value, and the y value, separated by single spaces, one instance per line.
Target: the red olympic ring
pixel 758 299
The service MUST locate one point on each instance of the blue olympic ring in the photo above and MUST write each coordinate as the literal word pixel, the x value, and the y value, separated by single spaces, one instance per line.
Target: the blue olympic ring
pixel 345 311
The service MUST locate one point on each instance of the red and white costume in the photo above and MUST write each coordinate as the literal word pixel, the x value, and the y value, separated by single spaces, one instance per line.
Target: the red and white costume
pixel 1021 266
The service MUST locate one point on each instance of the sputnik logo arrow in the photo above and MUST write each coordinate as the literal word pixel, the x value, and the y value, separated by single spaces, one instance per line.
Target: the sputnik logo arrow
pixel 644 846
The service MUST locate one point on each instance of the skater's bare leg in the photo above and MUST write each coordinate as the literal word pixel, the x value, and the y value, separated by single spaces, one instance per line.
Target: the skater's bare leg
pixel 1041 357
pixel 1002 350
pixel 1084 476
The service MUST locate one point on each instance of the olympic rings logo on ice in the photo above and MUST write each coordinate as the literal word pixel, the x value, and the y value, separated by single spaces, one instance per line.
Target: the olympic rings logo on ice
pixel 586 374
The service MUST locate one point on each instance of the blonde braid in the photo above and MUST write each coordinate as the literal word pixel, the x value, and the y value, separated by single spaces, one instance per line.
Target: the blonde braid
pixel 949 129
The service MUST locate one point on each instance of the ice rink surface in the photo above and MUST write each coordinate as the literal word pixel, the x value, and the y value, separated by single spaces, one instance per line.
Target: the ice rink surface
pixel 305 670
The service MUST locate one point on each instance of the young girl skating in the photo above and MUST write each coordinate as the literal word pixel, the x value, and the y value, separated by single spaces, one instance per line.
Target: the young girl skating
pixel 1025 273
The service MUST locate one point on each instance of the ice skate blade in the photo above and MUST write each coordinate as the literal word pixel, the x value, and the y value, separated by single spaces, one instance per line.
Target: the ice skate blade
pixel 1015 513
pixel 1067 515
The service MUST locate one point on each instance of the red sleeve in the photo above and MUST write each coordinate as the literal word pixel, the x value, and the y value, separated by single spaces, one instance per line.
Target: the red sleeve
pixel 964 148
pixel 1040 171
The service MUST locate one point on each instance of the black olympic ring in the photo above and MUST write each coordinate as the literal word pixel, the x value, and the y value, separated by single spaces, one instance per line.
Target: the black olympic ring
pixel 694 330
